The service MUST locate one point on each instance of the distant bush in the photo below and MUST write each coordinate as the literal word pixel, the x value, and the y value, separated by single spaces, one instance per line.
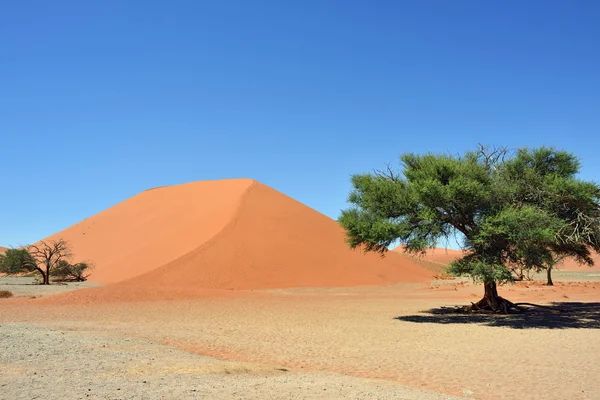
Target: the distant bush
pixel 65 271
pixel 5 294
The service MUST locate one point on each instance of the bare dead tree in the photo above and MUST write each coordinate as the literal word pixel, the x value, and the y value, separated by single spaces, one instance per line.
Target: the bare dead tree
pixel 47 255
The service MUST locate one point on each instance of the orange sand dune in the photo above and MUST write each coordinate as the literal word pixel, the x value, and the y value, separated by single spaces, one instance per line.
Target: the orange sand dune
pixel 153 228
pixel 446 256
pixel 235 234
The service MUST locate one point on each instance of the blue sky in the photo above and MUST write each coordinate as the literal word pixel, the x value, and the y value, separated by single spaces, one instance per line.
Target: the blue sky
pixel 101 100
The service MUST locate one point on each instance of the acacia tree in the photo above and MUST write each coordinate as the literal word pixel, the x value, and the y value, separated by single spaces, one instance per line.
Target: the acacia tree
pixel 523 209
pixel 43 257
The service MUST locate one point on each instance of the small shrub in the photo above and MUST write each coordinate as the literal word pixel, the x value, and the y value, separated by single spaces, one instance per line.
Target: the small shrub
pixel 5 294
pixel 65 271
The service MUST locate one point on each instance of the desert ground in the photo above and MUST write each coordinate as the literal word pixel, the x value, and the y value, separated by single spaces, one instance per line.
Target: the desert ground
pixel 375 342
pixel 230 289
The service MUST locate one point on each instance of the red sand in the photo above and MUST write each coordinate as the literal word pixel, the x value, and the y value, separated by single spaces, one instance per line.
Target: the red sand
pixel 227 235
pixel 3 249
pixel 446 256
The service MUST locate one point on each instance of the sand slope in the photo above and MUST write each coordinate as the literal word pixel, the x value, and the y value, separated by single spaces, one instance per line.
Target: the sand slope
pixel 277 242
pixel 153 228
pixel 236 234
pixel 3 249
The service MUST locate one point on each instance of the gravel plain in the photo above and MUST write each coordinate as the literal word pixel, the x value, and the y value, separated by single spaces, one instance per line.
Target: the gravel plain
pixel 54 364
pixel 306 343
pixel 21 286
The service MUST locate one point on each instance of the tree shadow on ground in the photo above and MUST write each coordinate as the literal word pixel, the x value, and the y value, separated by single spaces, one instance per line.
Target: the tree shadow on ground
pixel 563 315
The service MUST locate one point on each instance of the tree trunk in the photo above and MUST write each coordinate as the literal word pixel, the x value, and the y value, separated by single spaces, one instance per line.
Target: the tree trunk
pixel 491 301
pixel 45 278
pixel 491 295
pixel 549 273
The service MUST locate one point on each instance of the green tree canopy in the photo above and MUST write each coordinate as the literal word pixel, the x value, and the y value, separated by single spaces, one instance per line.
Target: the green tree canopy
pixel 525 208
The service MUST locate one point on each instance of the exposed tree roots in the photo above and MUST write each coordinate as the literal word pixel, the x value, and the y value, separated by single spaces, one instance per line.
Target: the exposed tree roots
pixel 495 304
pixel 503 306
pixel 492 303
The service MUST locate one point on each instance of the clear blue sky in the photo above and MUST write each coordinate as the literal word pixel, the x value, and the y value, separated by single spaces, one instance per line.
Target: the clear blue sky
pixel 101 100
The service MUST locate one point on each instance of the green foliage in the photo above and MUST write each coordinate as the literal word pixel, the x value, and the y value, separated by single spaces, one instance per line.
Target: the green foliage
pixel 71 272
pixel 481 270
pixel 17 261
pixel 527 209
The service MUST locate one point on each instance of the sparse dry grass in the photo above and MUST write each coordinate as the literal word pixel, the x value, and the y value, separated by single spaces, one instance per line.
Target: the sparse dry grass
pixel 5 294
